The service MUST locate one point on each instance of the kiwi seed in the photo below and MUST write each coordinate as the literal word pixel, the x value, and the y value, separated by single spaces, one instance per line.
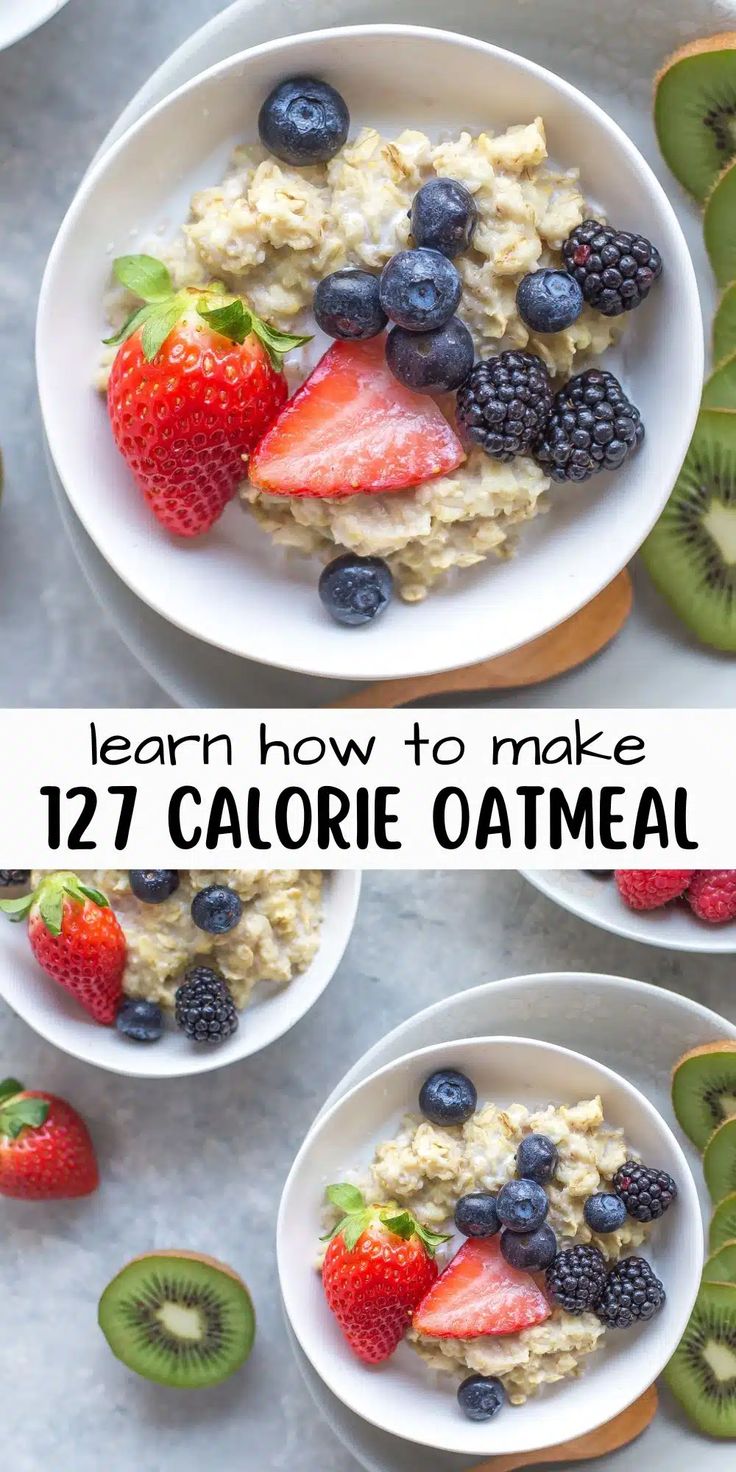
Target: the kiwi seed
pixel 702 1371
pixel 704 1090
pixel 719 1161
pixel 695 111
pixel 178 1318
pixel 723 1223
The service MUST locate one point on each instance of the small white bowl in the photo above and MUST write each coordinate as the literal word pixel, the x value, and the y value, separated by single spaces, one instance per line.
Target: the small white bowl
pixel 402 1396
pixel 55 1016
pixel 234 588
pixel 674 927
pixel 19 17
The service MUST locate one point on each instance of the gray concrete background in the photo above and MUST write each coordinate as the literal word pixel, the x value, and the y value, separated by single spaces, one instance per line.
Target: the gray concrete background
pixel 200 1164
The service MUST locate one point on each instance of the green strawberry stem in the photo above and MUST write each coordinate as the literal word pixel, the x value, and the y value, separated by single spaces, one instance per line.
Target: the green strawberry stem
pixel 164 306
pixel 358 1217
pixel 17 1113
pixel 48 900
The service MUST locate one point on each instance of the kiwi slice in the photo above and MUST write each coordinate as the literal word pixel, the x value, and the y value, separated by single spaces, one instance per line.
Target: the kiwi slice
pixel 719 222
pixel 702 1371
pixel 724 326
pixel 178 1318
pixel 723 1223
pixel 695 111
pixel 691 553
pixel 719 1161
pixel 704 1090
pixel 719 391
pixel 720 1267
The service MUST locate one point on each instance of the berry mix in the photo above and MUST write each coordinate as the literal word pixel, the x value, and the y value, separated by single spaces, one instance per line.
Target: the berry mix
pixel 709 894
pixel 408 398
pixel 514 1271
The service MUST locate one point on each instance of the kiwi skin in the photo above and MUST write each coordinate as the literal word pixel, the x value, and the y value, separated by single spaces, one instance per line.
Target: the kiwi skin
pixel 710 1403
pixel 723 1224
pixel 121 1348
pixel 697 1089
pixel 720 1267
pixel 719 1161
pixel 682 557
pixel 686 89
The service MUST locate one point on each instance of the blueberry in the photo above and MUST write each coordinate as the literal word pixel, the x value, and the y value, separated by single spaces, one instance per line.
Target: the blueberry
pixel 604 1212
pixel 303 121
pixel 529 1251
pixel 536 1159
pixel 549 301
pixel 216 909
pixel 420 289
pixel 476 1215
pixel 153 886
pixel 431 362
pixel 141 1021
pixel 355 589
pixel 448 1097
pixel 522 1206
pixel 443 216
pixel 481 1396
pixel 347 304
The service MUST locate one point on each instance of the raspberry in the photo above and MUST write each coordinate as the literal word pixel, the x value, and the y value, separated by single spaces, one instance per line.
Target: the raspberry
pixel 712 895
pixel 649 889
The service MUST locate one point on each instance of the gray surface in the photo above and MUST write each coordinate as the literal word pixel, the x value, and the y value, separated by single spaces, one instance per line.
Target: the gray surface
pixel 201 1165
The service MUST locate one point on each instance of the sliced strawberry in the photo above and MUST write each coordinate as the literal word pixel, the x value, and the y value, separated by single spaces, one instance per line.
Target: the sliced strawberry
pixel 353 427
pixel 479 1293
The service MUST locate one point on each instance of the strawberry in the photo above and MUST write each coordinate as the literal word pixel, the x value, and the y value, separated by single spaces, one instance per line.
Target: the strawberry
pixel 479 1293
pixel 649 889
pixel 378 1267
pixel 353 427
pixel 77 939
pixel 196 381
pixel 712 895
pixel 46 1153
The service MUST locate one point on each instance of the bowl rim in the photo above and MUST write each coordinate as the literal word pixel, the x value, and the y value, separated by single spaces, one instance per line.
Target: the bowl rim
pixel 626 928
pixel 680 265
pixel 28 26
pixel 687 1193
pixel 209 1062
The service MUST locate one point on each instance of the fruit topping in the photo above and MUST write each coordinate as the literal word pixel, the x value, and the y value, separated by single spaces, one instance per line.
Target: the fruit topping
pixel 443 216
pixel 476 1215
pixel 46 1153
pixel 592 426
pixel 448 1097
pixel 354 590
pixel 216 909
pixel 536 1159
pixel 549 301
pixel 77 940
pixel 351 427
pixel 481 1397
pixel 347 305
pixel 531 1251
pixel 204 1008
pixel 139 1020
pixel 378 1267
pixel 479 1293
pixel 702 1371
pixel 179 1319
pixel 577 1278
pixel 604 1213
pixel 614 269
pixel 14 878
pixel 522 1206
pixel 431 362
pixel 505 403
pixel 711 895
pixel 632 1294
pixel 704 1090
pixel 648 889
pixel 420 289
pixel 719 1161
pixel 303 121
pixel 153 886
pixel 695 111
pixel 646 1193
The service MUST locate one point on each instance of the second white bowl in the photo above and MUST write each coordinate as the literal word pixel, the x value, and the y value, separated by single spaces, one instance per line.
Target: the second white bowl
pixel 597 900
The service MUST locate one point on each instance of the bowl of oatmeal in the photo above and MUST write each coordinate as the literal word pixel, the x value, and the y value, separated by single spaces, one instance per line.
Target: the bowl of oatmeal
pixel 190 182
pixel 564 1369
pixel 285 942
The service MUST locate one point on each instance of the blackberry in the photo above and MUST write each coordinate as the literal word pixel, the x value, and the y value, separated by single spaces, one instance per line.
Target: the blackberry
pixel 614 269
pixel 632 1294
pixel 577 1278
pixel 592 427
pixel 203 1006
pixel 9 878
pixel 646 1193
pixel 504 404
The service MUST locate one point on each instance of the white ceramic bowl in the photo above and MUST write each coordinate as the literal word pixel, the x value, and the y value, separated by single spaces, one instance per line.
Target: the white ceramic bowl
pixel 234 589
pixel 401 1396
pixel 19 17
pixel 674 927
pixel 55 1016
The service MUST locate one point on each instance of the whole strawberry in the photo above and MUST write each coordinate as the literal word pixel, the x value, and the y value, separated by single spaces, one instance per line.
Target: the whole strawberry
pixel 377 1269
pixel 77 939
pixel 712 895
pixel 195 384
pixel 46 1153
pixel 648 889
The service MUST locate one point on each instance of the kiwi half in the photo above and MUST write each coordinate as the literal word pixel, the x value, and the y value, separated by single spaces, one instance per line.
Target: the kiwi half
pixel 719 1161
pixel 702 1371
pixel 720 1267
pixel 723 1223
pixel 704 1090
pixel 724 326
pixel 718 226
pixel 691 553
pixel 695 110
pixel 178 1318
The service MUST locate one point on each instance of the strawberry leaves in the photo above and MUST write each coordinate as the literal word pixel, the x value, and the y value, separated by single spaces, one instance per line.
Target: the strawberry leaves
pixel 358 1217
pixel 18 1113
pixel 145 277
pixel 49 900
